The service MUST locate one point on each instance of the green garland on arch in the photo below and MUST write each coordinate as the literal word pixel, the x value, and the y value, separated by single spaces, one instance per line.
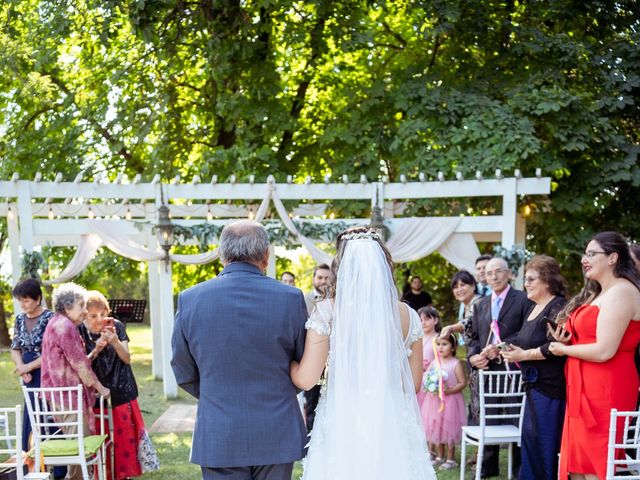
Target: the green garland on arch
pixel 516 256
pixel 207 233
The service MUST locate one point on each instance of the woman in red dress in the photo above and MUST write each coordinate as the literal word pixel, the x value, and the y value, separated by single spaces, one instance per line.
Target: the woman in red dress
pixel 599 338
pixel 107 344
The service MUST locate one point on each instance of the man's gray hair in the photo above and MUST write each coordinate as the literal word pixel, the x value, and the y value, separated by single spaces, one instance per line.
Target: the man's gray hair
pixel 66 295
pixel 243 241
pixel 499 260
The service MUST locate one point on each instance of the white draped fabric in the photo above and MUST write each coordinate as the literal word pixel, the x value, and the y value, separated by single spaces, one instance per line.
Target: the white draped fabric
pixel 414 238
pixel 317 254
pixel 103 234
pixel 460 250
pixel 87 249
pixel 411 239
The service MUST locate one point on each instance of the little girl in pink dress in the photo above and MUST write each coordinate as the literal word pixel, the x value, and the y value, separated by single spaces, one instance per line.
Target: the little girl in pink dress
pixel 431 326
pixel 443 425
pixel 430 320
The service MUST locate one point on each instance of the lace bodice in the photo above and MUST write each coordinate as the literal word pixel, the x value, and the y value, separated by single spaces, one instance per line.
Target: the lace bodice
pixel 321 319
pixel 415 332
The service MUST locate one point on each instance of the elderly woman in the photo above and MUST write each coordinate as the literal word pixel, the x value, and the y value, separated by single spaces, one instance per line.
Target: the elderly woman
pixel 64 361
pixel 543 372
pixel 107 344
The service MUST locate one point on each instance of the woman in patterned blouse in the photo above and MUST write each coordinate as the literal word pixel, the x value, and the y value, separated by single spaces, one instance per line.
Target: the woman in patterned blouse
pixel 26 346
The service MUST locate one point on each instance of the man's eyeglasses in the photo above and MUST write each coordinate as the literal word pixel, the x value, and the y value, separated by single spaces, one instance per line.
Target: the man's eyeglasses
pixel 592 253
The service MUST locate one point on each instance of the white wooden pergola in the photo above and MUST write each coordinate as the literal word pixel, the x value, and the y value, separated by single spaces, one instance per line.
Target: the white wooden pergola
pixel 55 213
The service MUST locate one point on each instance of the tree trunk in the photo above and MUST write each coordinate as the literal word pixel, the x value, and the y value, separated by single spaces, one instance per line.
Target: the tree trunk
pixel 5 340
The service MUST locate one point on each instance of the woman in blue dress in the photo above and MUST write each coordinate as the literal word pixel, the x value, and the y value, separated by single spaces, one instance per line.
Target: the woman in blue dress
pixel 26 346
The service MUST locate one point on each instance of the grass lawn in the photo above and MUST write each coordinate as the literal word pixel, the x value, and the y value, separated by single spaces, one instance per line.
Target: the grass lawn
pixel 173 448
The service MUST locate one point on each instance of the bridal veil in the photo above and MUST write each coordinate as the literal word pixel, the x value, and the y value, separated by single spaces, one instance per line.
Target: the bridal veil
pixel 367 424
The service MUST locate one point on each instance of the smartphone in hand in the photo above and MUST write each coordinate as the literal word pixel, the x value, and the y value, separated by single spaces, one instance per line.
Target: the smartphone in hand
pixel 503 346
pixel 107 322
pixel 552 323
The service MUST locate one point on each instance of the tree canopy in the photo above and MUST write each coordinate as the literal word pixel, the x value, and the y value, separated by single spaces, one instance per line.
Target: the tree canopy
pixel 380 88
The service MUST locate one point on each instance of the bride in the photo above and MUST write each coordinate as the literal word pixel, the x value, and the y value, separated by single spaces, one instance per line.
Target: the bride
pixel 367 422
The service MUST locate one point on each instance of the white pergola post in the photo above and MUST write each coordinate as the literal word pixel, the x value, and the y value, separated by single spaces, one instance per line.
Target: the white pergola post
pixel 25 216
pixel 155 294
pixel 170 387
pixel 521 237
pixel 14 245
pixel 271 267
pixel 509 212
pixel 155 316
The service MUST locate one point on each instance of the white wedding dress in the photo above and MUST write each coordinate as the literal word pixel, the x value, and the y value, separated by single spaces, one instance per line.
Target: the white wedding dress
pixel 367 422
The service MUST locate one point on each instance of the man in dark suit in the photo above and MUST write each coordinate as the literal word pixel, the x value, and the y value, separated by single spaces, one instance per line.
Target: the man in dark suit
pixel 233 341
pixel 505 309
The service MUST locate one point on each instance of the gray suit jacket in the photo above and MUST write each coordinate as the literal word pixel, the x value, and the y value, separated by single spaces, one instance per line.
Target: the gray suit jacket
pixel 233 341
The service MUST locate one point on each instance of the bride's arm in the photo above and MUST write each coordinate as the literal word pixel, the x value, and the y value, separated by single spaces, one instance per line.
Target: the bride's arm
pixel 415 359
pixel 307 373
pixel 415 362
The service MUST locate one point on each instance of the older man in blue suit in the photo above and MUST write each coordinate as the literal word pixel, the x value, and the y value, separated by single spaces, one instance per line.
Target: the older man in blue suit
pixel 233 341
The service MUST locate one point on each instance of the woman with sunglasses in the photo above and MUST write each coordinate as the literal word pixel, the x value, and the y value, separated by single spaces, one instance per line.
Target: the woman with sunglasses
pixel 598 331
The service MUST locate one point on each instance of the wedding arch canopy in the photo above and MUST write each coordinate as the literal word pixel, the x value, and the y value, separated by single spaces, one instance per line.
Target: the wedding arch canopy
pixel 120 215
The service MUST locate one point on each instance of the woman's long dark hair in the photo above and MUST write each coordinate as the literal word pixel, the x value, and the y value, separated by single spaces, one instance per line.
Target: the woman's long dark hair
pixel 613 242
pixel 610 242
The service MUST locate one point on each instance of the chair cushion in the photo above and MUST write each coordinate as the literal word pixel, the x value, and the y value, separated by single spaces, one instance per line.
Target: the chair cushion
pixel 68 448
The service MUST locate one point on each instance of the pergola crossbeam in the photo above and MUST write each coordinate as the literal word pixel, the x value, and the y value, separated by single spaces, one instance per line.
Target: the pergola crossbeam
pixel 286 191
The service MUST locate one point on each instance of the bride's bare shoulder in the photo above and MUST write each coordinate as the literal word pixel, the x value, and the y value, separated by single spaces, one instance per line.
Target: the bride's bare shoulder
pixel 403 309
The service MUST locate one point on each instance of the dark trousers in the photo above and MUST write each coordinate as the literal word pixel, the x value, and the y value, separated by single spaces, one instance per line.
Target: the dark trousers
pixel 280 471
pixel 541 436
pixel 490 462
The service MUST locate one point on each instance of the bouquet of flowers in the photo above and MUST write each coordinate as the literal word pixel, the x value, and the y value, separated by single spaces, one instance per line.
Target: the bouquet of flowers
pixel 431 380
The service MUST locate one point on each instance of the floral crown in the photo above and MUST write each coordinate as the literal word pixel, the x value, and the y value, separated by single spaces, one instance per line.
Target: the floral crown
pixel 368 235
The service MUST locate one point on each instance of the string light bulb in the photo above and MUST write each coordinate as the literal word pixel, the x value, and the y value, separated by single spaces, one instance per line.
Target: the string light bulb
pixel 251 215
pixel 10 213
pixel 51 215
pixel 209 214
pixel 91 214
pixel 128 214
